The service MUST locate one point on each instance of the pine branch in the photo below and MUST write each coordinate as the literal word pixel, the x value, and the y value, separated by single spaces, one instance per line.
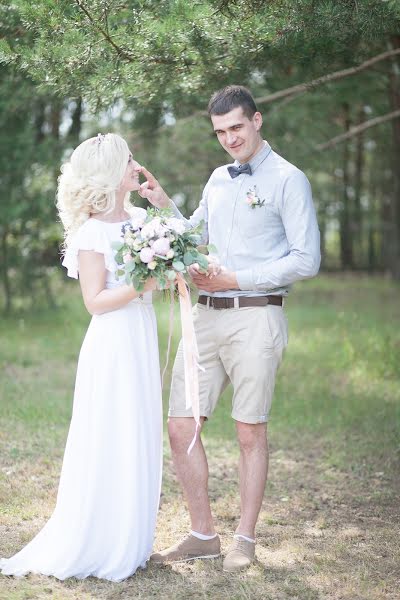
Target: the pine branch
pixel 308 86
pixel 311 85
pixel 353 131
pixel 121 53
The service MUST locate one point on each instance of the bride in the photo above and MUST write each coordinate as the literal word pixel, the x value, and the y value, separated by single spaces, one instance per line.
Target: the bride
pixel 104 520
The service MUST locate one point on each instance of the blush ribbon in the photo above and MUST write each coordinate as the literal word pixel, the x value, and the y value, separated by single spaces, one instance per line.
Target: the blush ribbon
pixel 190 352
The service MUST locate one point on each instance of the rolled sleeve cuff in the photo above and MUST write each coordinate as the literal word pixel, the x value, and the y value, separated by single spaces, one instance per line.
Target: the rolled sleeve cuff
pixel 245 279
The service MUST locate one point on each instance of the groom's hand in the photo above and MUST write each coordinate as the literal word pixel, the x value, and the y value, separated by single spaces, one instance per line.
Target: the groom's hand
pixel 225 280
pixel 152 190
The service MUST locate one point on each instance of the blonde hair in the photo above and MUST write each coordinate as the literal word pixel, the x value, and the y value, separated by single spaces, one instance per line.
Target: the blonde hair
pixel 90 179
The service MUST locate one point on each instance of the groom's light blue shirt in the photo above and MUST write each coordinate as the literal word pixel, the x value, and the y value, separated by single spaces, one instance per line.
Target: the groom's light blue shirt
pixel 271 246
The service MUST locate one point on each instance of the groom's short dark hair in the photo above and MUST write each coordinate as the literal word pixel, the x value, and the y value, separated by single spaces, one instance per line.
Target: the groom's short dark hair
pixel 230 97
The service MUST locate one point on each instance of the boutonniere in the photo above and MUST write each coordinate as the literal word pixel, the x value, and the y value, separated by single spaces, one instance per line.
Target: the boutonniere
pixel 253 198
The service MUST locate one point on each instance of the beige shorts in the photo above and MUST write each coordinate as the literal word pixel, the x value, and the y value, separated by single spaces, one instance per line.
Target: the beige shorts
pixel 243 346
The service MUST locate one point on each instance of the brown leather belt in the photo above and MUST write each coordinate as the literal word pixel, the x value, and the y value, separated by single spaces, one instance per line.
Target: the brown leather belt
pixel 240 301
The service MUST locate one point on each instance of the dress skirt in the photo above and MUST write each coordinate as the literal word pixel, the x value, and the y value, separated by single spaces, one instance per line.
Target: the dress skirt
pixel 104 521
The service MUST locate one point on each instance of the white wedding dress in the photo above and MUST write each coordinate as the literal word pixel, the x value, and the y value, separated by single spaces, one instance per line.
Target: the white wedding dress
pixel 104 521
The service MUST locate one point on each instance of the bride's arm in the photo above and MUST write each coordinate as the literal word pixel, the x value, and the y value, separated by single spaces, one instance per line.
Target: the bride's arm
pixel 92 277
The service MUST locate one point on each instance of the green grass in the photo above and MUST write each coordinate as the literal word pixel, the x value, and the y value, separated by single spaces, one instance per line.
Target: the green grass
pixel 328 526
pixel 341 373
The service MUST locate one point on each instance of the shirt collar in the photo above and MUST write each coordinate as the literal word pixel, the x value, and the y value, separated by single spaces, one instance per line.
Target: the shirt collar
pixel 258 158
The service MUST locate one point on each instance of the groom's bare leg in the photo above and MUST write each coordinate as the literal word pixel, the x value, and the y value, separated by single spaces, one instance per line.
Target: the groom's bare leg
pixel 192 472
pixel 253 470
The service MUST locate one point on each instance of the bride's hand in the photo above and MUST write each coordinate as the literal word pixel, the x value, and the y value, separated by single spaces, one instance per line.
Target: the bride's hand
pixel 150 285
pixel 152 190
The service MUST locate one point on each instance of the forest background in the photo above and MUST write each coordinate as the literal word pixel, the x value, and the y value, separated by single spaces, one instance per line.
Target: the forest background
pixel 326 75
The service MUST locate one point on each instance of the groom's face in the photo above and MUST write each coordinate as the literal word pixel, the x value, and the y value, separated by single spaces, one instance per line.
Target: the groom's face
pixel 237 134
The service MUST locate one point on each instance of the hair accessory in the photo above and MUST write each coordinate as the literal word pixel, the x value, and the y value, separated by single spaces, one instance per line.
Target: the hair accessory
pixel 100 138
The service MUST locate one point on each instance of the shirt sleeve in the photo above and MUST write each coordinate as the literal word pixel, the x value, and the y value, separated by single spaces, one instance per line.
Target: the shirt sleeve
pixel 300 223
pixel 199 215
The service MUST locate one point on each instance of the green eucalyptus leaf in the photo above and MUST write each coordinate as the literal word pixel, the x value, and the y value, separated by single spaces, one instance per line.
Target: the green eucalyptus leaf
pixel 137 284
pixel 203 262
pixel 189 258
pixel 178 265
pixel 171 275
pixel 117 245
pixel 162 282
pixel 130 266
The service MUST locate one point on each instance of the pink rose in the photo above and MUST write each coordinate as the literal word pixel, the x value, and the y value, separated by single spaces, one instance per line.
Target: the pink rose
pixel 161 246
pixel 146 255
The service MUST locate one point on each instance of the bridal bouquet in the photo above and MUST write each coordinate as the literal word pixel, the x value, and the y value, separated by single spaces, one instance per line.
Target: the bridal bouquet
pixel 156 244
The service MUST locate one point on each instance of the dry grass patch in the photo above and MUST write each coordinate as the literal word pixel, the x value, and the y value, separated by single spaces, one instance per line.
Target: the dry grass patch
pixel 323 534
pixel 329 526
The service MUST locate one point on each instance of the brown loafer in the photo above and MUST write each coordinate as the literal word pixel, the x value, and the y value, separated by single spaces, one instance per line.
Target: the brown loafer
pixel 239 556
pixel 190 548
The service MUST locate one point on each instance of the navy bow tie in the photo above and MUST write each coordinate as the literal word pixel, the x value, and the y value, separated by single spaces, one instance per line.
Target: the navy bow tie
pixel 236 171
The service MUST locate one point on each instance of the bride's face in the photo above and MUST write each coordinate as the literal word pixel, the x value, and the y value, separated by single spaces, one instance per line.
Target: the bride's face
pixel 130 181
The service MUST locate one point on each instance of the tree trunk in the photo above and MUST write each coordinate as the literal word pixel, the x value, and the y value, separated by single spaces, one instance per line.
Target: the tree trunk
pixel 346 248
pixel 394 210
pixel 371 229
pixel 387 231
pixel 75 129
pixel 4 272
pixel 357 225
pixel 55 119
pixel 39 122
pixel 51 301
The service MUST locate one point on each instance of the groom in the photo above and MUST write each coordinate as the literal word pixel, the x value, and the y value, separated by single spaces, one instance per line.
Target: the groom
pixel 258 212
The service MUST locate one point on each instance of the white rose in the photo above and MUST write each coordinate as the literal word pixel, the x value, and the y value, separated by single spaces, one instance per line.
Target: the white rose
pixel 138 217
pixel 176 225
pixel 152 228
pixel 161 246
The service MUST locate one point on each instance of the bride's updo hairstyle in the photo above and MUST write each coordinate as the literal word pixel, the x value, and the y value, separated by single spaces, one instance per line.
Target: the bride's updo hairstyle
pixel 90 179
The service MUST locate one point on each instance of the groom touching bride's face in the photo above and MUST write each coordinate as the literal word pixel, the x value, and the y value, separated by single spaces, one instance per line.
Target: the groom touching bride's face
pixel 238 132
